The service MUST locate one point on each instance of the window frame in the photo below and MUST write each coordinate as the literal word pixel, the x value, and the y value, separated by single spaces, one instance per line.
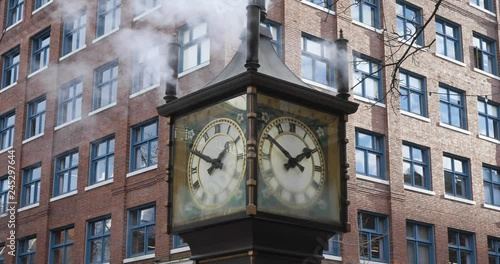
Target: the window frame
pixel 197 41
pixel 411 90
pixel 29 182
pixel 333 246
pixel 96 237
pixel 465 176
pixel 374 5
pixel 23 247
pixel 417 241
pixel 487 5
pixel 378 149
pixel 144 6
pixel 417 24
pixel 457 29
pixel 278 39
pixel 328 4
pixel 487 117
pixel 101 14
pixel 462 108
pixel 72 101
pixel 378 233
pixel 324 58
pixel 495 245
pixel 14 9
pixel 9 65
pixel 7 130
pixel 425 164
pixel 101 86
pixel 374 75
pixel 95 158
pixel 64 245
pixel 80 32
pixel 148 67
pixel 38 49
pixel 177 242
pixel 38 117
pixel 2 253
pixel 489 43
pixel 58 171
pixel 149 141
pixel 490 182
pixel 4 194
pixel 471 248
pixel 40 3
pixel 131 228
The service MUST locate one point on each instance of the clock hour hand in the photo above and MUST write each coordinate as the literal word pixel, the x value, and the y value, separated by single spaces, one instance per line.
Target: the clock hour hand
pixel 206 158
pixel 292 162
pixel 218 161
pixel 306 153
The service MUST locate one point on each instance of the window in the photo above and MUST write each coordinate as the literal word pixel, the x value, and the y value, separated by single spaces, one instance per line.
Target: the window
pixel 493 250
pixel 316 64
pixel 27 250
pixel 373 237
pixel 108 16
pixel 461 247
pixel 420 243
pixel 144 145
pixel 456 176
pixel 370 154
pixel 178 242
pixel 412 90
pixel 366 12
pixel 491 177
pixel 416 166
pixel 484 4
pixel 10 67
pixel 448 40
pixel 452 107
pixel 103 154
pixel 36 117
pixel 367 78
pixel 106 83
pixel 408 22
pixel 14 12
pixel 195 46
pixel 66 173
pixel 141 231
pixel 40 3
pixel 146 69
pixel 489 118
pixel 2 253
pixel 4 194
pixel 485 54
pixel 61 246
pixel 276 30
pixel 7 122
pixel 30 194
pixel 333 246
pixel 328 4
pixel 75 29
pixel 70 102
pixel 98 241
pixel 143 6
pixel 40 50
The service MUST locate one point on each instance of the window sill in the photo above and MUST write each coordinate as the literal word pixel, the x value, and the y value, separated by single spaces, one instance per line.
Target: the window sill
pixel 463 131
pixel 319 85
pixel 372 179
pixel 179 250
pixel 27 207
pixel 146 13
pixel 13 25
pixel 482 9
pixel 99 184
pixel 420 190
pixel 102 109
pixel 62 196
pixel 67 123
pixel 133 173
pixel 195 68
pixel 133 259
pixel 152 87
pixel 414 45
pixel 180 261
pixel 419 117
pixel 71 53
pixel 364 261
pixel 332 257
pixel 40 8
pixel 370 101
pixel 8 87
pixel 32 138
pixel 3 215
pixel 5 150
pixel 379 31
pixel 37 71
pixel 488 139
pixel 450 59
pixel 486 73
pixel 461 200
pixel 492 207
pixel 326 10
pixel 105 35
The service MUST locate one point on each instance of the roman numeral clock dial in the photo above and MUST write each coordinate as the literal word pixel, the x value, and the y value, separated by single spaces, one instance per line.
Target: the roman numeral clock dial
pixel 291 162
pixel 216 163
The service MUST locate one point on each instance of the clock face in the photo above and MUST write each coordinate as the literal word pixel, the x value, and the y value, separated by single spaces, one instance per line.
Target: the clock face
pixel 292 162
pixel 216 164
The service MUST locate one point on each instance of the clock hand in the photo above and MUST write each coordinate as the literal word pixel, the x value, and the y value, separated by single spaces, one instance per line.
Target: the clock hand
pixel 295 161
pixel 279 146
pixel 292 162
pixel 218 161
pixel 206 158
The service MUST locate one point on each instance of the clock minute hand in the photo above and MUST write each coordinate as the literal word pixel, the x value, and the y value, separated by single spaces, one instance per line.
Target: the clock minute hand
pixel 279 147
pixel 292 162
pixel 202 156
pixel 218 161
pixel 307 152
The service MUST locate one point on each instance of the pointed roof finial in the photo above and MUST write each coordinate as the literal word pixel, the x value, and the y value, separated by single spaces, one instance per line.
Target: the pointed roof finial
pixel 341 34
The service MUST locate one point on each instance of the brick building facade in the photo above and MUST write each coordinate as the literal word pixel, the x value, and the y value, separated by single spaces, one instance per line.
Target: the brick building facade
pixel 78 124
